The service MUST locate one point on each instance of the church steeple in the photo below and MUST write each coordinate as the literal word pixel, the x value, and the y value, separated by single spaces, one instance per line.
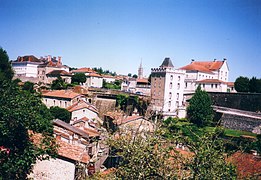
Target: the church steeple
pixel 140 71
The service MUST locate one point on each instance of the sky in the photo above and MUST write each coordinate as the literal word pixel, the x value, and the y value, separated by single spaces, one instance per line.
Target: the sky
pixel 118 34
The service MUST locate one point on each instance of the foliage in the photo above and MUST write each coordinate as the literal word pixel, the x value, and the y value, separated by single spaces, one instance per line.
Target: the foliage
pixel 127 103
pixel 129 74
pixel 255 85
pixel 101 71
pixel 60 113
pixel 209 160
pixel 242 84
pixel 58 84
pixel 21 111
pixel 146 157
pixel 112 85
pixel 199 110
pixel 6 72
pixel 135 76
pixel 79 78
pixel 28 86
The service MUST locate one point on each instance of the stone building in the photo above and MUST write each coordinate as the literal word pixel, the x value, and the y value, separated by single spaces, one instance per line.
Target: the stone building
pixel 167 88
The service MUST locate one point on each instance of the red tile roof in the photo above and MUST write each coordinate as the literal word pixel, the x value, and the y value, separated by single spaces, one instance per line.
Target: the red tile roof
pixel 61 93
pixel 73 152
pixel 211 81
pixel 91 132
pixel 247 164
pixel 144 80
pixel 59 72
pixel 83 70
pixel 204 66
pixel 94 75
pixel 81 105
pixel 230 84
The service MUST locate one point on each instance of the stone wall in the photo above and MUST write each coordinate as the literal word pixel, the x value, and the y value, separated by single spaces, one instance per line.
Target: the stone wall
pixel 241 123
pixel 105 105
pixel 242 101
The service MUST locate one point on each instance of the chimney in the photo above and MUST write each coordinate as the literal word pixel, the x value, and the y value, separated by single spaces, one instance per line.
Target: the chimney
pixel 192 60
pixel 59 59
pixel 49 58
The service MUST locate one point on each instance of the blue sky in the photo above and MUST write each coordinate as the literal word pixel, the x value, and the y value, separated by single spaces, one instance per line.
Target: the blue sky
pixel 117 34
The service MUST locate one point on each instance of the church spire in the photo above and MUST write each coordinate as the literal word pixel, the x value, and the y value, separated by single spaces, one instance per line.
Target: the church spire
pixel 140 71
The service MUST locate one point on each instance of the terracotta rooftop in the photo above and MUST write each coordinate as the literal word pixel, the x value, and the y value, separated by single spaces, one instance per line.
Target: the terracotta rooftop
pixel 81 105
pixel 71 128
pixel 204 66
pixel 94 75
pixel 230 84
pixel 73 152
pixel 83 70
pixel 108 76
pixel 144 80
pixel 61 93
pixel 59 72
pixel 91 132
pixel 211 81
pixel 28 58
pixel 247 164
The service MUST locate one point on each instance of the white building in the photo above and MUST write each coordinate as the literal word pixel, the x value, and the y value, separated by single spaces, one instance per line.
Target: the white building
pixel 26 66
pixel 167 87
pixel 61 98
pixel 212 76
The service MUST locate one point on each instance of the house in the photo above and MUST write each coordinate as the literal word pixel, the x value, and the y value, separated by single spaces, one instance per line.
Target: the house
pixel 108 78
pixel 231 87
pixel 143 86
pixel 117 122
pixel 76 148
pixel 212 76
pixel 50 64
pixel 81 109
pixel 53 75
pixel 61 98
pixel 167 88
pixel 84 70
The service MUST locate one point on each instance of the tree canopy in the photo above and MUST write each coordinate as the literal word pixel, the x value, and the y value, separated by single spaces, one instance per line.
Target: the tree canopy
pixel 199 110
pixel 22 115
pixel 61 113
pixel 79 78
pixel 242 84
pixel 6 72
pixel 58 84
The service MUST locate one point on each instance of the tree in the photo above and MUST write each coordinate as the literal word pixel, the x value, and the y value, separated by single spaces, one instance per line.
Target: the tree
pixel 28 86
pixel 209 160
pixel 79 78
pixel 61 113
pixel 135 76
pixel 199 110
pixel 145 157
pixel 129 74
pixel 242 84
pixel 58 84
pixel 6 72
pixel 22 115
pixel 255 85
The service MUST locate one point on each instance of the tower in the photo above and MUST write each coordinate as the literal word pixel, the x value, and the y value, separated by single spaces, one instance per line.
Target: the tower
pixel 140 71
pixel 167 87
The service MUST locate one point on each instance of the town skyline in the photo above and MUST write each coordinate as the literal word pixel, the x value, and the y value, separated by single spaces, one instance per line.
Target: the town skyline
pixel 118 35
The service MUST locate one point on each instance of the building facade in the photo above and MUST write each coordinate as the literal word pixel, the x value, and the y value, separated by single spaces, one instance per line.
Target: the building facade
pixel 212 76
pixel 167 87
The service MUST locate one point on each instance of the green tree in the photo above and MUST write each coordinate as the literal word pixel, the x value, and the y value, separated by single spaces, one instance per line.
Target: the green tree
pixel 79 78
pixel 255 85
pixel 61 113
pixel 209 160
pixel 145 157
pixel 28 86
pixel 135 76
pixel 58 84
pixel 129 74
pixel 6 72
pixel 199 110
pixel 242 84
pixel 21 115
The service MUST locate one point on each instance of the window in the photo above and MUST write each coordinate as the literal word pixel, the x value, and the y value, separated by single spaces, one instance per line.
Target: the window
pixel 83 111
pixel 169 103
pixel 177 96
pixel 203 85
pixel 212 85
pixel 170 95
pixel 186 85
pixel 215 85
pixel 171 77
pixel 178 78
pixel 178 86
pixel 170 85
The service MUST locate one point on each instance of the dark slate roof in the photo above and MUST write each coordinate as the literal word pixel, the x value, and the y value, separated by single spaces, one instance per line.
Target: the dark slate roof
pixel 167 63
pixel 69 127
